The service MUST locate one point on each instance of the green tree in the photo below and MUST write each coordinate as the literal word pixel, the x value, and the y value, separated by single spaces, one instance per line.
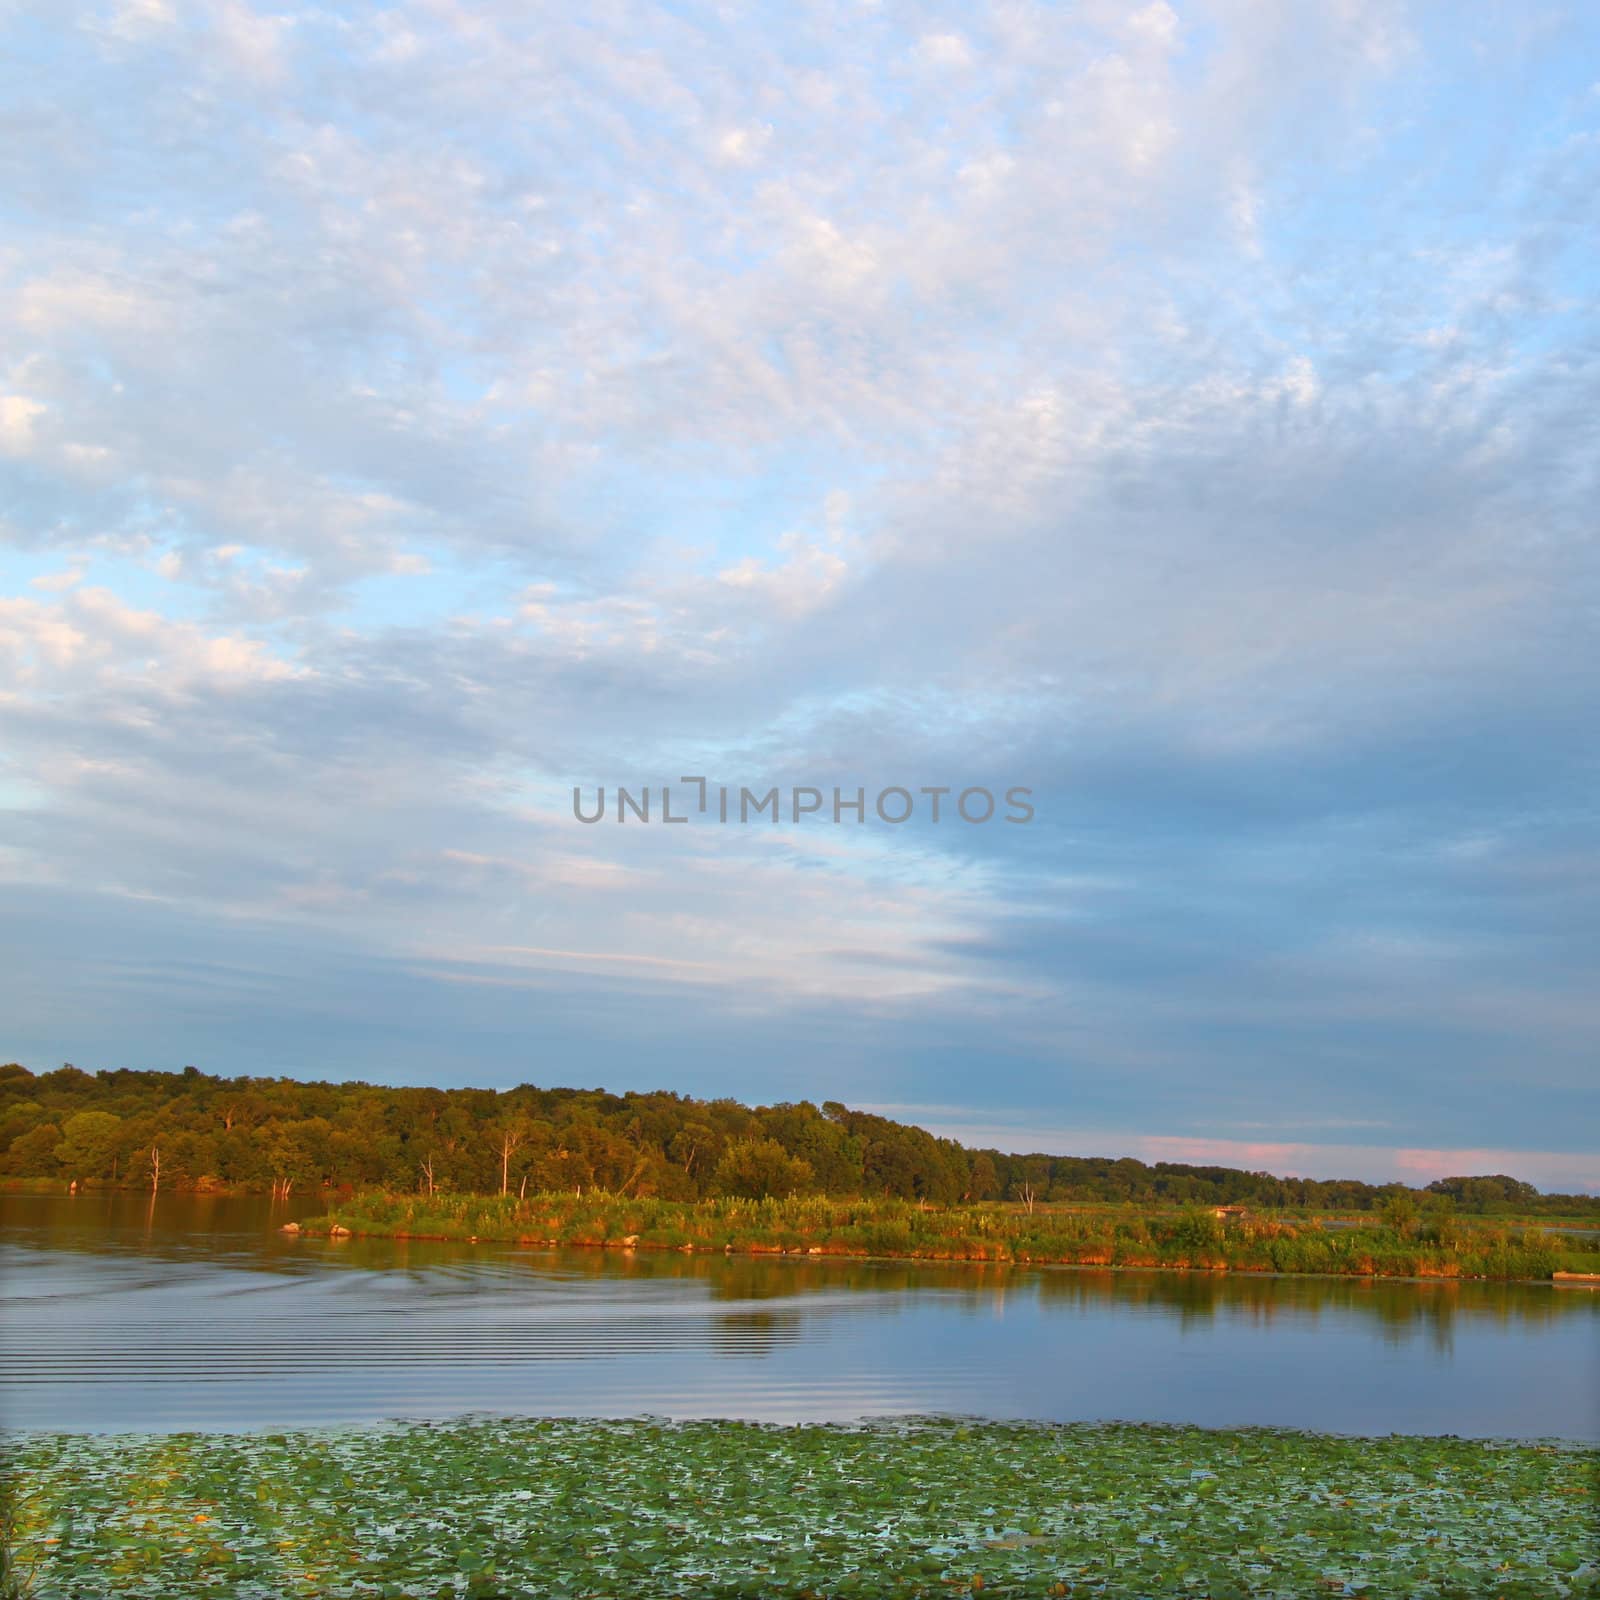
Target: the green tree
pixel 985 1181
pixel 756 1168
pixel 694 1146
pixel 1196 1229
pixel 88 1144
pixel 261 1132
pixel 33 1154
pixel 1399 1210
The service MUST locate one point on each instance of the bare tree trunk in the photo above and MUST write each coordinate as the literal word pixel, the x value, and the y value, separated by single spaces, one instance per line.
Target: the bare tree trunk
pixel 510 1143
pixel 427 1172
pixel 155 1168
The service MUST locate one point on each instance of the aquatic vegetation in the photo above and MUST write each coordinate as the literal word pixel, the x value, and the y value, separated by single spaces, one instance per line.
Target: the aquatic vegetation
pixel 819 1225
pixel 526 1508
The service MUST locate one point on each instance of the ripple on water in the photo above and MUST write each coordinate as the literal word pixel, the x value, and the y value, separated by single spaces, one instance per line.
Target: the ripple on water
pixel 134 1318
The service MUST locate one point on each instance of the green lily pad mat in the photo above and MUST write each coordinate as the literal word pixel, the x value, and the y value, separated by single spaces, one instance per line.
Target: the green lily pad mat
pixel 545 1509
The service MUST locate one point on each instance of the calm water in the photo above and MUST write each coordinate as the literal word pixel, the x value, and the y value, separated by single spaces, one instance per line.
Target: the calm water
pixel 196 1313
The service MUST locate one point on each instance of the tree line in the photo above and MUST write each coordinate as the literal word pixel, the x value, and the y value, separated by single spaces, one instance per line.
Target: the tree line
pixel 190 1130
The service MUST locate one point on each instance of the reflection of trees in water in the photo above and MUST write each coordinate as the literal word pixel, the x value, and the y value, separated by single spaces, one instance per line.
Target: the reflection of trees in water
pixel 242 1231
pixel 756 1334
pixel 236 1230
pixel 744 1278
pixel 1403 1308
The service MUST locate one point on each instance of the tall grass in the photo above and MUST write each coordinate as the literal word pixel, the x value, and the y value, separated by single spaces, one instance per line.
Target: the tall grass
pixel 857 1227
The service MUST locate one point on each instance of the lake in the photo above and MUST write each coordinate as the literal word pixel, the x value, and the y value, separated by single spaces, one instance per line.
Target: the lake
pixel 192 1312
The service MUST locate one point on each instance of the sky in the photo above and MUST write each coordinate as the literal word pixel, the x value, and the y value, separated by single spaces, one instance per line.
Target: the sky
pixel 410 413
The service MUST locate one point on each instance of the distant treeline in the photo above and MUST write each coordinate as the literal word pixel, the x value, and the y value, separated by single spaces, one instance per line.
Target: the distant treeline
pixel 189 1130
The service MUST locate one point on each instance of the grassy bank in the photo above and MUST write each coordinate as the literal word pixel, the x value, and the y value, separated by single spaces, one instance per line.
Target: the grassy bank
pixel 525 1509
pixel 817 1226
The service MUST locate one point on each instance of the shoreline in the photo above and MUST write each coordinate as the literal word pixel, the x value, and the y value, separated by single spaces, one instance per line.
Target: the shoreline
pixel 1341 1217
pixel 885 1421
pixel 823 1254
pixel 816 1227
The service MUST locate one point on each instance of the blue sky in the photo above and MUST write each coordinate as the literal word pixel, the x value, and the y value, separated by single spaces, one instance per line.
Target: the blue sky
pixel 409 412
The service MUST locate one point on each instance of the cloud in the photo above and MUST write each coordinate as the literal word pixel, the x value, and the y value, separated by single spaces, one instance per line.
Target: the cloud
pixel 411 413
pixel 130 18
pixel 90 640
pixel 944 50
pixel 18 418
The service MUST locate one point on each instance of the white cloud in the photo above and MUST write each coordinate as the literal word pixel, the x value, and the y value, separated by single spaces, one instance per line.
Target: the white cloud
pixel 743 147
pixel 1012 398
pixel 131 18
pixel 1158 23
pixel 55 581
pixel 18 418
pixel 89 638
pixel 71 301
pixel 944 50
pixel 802 581
pixel 251 42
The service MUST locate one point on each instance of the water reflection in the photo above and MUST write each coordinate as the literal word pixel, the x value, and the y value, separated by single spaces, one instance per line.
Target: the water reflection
pixel 187 1311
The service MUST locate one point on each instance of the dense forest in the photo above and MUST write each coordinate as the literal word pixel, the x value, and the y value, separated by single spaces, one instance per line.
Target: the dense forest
pixel 189 1130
